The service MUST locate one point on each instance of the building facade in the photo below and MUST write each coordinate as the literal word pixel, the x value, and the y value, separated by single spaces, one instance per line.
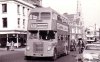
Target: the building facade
pixel 13 20
pixel 76 26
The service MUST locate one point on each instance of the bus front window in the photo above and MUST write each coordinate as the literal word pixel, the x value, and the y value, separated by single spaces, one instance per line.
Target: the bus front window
pixel 34 15
pixel 47 35
pixel 45 15
pixel 33 35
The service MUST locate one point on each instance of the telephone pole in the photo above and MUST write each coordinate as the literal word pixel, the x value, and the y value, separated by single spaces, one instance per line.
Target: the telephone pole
pixel 99 33
pixel 95 33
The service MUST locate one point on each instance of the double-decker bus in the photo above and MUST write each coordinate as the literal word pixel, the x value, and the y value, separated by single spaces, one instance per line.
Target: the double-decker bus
pixel 47 35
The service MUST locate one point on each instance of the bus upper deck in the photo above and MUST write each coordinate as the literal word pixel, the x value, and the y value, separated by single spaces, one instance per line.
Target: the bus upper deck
pixel 46 19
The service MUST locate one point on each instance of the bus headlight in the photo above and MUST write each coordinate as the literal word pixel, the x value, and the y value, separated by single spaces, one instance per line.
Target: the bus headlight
pixel 49 48
pixel 27 48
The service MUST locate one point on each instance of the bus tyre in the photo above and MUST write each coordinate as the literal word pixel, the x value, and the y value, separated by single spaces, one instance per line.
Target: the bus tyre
pixel 27 57
pixel 54 56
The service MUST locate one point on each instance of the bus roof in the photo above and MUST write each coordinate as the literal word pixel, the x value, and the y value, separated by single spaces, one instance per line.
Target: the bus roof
pixel 47 9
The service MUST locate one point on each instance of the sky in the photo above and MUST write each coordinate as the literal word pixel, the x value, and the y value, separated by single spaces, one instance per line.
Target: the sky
pixel 90 9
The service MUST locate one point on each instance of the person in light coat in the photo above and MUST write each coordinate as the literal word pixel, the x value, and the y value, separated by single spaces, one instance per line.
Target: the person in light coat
pixel 8 46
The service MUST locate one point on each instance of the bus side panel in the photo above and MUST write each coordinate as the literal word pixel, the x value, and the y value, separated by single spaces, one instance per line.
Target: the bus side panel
pixel 61 41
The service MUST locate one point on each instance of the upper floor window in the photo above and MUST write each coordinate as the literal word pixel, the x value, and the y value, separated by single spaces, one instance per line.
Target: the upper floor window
pixel 23 10
pixel 4 22
pixel 23 23
pixel 18 9
pixel 18 22
pixel 28 11
pixel 4 8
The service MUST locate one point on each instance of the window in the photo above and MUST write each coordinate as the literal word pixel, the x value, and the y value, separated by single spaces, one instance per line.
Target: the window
pixel 33 35
pixel 34 15
pixel 24 11
pixel 47 35
pixel 88 32
pixel 61 37
pixel 31 17
pixel 18 9
pixel 91 38
pixel 23 23
pixel 18 22
pixel 4 8
pixel 92 47
pixel 59 18
pixel 28 11
pixel 45 15
pixel 54 16
pixel 4 22
pixel 66 37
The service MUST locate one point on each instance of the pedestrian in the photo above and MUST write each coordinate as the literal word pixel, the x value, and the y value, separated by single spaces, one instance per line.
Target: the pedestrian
pixel 12 46
pixel 8 45
pixel 80 45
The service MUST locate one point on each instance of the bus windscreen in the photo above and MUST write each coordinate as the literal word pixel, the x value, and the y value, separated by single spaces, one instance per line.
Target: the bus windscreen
pixel 47 35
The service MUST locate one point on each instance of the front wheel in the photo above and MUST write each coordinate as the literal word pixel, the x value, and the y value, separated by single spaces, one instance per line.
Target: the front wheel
pixel 28 58
pixel 54 56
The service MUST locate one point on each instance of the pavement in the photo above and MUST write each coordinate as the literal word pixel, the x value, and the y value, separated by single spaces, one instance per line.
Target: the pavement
pixel 3 51
pixel 15 49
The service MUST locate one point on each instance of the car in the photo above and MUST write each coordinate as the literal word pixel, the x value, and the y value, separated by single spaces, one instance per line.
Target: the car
pixel 91 53
pixel 96 42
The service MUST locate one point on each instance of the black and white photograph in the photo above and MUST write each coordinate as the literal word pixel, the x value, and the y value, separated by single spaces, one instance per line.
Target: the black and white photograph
pixel 49 30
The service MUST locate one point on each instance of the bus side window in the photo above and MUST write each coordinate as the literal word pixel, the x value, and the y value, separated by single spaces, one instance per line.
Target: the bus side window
pixel 61 37
pixel 58 38
pixel 59 18
pixel 54 16
pixel 35 35
pixel 66 37
pixel 31 36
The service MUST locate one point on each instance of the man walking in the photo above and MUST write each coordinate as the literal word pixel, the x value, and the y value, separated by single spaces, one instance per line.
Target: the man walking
pixel 80 45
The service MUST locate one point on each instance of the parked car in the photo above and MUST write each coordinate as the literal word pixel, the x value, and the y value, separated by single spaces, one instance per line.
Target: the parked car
pixel 91 53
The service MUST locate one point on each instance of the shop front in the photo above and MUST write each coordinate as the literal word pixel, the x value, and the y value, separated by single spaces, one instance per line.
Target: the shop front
pixel 19 39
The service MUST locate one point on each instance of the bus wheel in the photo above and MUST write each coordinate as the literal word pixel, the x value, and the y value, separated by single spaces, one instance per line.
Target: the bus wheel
pixel 54 56
pixel 27 57
pixel 65 51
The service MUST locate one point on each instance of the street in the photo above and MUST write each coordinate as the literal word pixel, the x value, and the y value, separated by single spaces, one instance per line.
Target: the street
pixel 18 56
